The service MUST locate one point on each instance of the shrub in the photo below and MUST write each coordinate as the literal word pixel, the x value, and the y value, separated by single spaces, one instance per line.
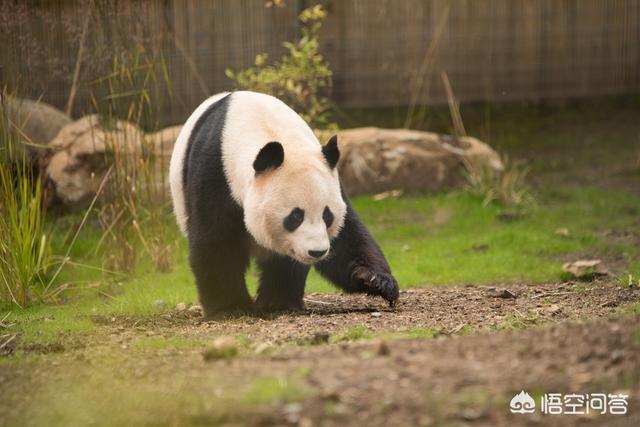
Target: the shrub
pixel 301 78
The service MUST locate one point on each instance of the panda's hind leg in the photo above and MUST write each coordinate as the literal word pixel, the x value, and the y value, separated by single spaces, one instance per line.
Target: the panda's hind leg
pixel 219 266
pixel 281 285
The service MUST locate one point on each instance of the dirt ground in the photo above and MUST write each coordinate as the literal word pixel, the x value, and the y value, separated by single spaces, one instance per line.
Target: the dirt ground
pixel 443 356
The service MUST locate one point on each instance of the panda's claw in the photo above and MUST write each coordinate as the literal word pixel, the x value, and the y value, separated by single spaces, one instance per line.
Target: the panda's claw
pixel 379 284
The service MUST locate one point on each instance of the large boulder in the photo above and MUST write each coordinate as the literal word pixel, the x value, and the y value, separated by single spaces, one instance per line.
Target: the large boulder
pixel 374 160
pixel 80 154
pixel 32 124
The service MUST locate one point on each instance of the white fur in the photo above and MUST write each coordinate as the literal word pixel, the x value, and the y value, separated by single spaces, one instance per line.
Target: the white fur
pixel 176 165
pixel 304 180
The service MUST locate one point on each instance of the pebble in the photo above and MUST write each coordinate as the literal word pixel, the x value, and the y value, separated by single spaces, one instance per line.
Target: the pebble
pixel 224 347
pixel 376 314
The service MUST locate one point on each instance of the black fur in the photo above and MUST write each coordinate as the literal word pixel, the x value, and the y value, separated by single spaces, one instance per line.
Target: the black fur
pixel 356 263
pixel 218 240
pixel 331 152
pixel 219 243
pixel 282 281
pixel 270 156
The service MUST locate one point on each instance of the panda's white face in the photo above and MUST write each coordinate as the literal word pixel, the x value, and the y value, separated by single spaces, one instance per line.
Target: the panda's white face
pixel 296 210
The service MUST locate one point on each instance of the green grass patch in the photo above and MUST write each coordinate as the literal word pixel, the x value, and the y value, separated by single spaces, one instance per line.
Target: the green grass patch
pixel 174 342
pixel 277 389
pixel 362 332
pixel 353 333
pixel 632 309
pixel 435 240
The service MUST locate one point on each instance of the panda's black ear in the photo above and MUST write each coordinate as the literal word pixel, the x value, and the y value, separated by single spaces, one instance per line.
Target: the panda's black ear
pixel 331 152
pixel 270 156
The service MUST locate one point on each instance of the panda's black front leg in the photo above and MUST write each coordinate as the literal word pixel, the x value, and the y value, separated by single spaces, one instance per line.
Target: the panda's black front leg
pixel 356 263
pixel 282 281
pixel 219 266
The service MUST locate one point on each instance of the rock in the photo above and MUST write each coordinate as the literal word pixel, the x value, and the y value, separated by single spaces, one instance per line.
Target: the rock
pixel 554 309
pixel 376 314
pixel 181 306
pixel 584 268
pixel 263 347
pixel 501 293
pixel 375 160
pixel 383 349
pixel 76 161
pixel 164 139
pixel 195 309
pixel 224 347
pixel 33 122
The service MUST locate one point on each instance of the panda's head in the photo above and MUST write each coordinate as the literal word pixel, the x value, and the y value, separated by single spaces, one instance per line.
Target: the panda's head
pixel 295 205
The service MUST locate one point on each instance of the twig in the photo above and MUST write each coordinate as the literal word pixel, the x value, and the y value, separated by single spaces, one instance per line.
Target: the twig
pixel 6 325
pixel 192 65
pixel 76 71
pixel 553 294
pixel 75 236
pixel 317 302
pixel 454 107
pixel 8 341
pixel 424 72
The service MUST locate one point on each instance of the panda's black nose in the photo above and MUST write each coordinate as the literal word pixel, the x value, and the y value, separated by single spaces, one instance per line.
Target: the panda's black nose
pixel 318 254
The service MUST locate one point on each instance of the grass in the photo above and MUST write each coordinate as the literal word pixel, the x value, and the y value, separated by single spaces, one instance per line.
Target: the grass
pixel 154 343
pixel 277 389
pixel 24 247
pixel 429 241
pixel 361 332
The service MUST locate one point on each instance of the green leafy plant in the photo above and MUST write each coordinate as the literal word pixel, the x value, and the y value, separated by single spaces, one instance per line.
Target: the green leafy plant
pixel 301 78
pixel 25 254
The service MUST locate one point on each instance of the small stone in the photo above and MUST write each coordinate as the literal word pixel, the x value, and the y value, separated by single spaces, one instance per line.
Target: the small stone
pixel 195 309
pixel 554 309
pixel 501 293
pixel 263 347
pixel 376 314
pixel 292 412
pixel 383 349
pixel 181 306
pixel 470 414
pixel 224 347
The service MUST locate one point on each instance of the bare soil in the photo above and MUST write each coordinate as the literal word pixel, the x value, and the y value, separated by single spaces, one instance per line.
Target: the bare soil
pixel 443 356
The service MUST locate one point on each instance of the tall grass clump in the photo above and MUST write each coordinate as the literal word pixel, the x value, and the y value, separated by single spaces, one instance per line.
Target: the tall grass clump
pixel 301 78
pixel 25 254
pixel 506 185
pixel 134 210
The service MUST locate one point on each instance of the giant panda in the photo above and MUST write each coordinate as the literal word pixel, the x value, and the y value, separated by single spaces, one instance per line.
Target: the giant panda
pixel 249 178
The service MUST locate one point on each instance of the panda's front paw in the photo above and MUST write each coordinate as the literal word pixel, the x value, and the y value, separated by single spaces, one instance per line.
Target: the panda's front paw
pixel 377 283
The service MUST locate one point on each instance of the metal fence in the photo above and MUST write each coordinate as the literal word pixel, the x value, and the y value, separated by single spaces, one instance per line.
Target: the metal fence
pixel 382 52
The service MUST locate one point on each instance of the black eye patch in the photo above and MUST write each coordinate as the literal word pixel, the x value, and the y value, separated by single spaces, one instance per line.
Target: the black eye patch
pixel 327 216
pixel 294 219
